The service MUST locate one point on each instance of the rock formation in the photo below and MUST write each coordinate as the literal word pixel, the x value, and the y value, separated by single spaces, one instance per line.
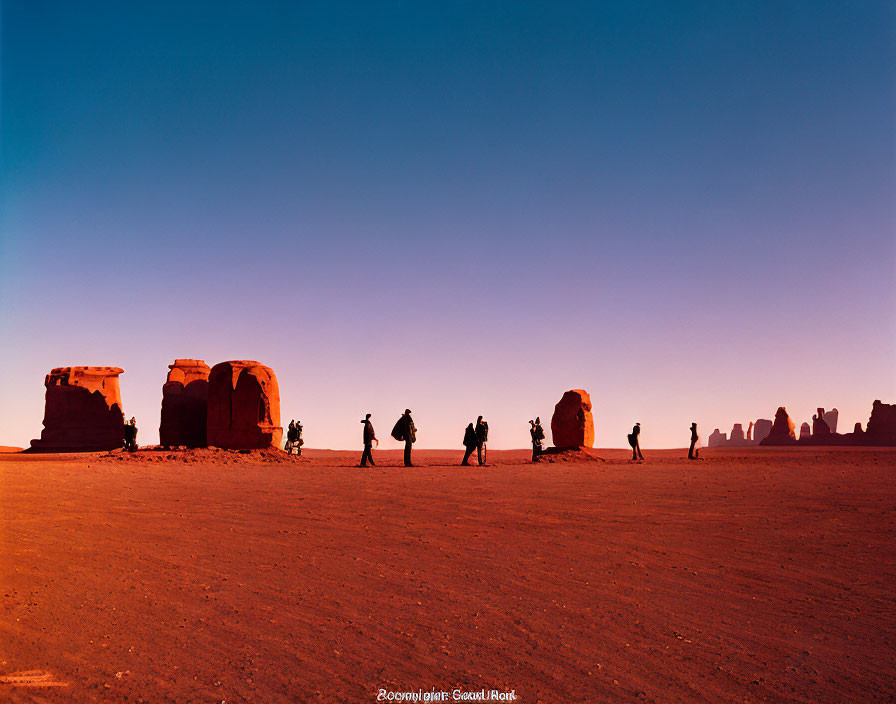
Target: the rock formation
pixel 572 424
pixel 857 430
pixel 243 406
pixel 782 431
pixel 761 430
pixel 820 428
pixel 831 418
pixel 881 427
pixel 737 439
pixel 717 439
pixel 750 433
pixel 185 404
pixel 805 431
pixel 82 410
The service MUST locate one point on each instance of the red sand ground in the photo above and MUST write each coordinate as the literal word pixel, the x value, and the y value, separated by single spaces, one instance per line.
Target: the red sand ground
pixel 759 575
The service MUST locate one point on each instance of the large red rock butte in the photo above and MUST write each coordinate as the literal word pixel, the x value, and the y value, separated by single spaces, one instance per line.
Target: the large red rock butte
pixel 185 404
pixel 572 424
pixel 243 406
pixel 881 428
pixel 82 411
pixel 783 430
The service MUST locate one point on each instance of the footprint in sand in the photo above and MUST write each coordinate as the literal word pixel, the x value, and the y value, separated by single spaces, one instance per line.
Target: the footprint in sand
pixel 32 678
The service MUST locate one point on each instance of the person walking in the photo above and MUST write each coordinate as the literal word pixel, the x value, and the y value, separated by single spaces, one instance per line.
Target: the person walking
pixel 634 441
pixel 405 431
pixel 481 440
pixel 471 442
pixel 369 438
pixel 693 451
pixel 537 433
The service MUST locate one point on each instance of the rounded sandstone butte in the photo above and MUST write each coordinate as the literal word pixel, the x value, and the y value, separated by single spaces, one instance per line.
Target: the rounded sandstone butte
pixel 82 410
pixel 243 406
pixel 783 430
pixel 572 424
pixel 805 431
pixel 185 404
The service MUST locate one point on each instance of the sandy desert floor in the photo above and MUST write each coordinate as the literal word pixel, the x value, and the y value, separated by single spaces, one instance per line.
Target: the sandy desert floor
pixel 754 575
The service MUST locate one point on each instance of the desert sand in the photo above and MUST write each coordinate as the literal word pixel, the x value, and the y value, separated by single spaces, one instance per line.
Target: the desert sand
pixel 753 575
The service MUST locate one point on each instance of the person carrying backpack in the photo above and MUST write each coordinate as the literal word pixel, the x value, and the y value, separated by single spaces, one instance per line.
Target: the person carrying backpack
pixel 405 431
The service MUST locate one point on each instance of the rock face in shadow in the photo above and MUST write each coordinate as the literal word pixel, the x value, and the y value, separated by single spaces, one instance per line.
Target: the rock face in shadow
pixel 185 404
pixel 717 439
pixel 881 427
pixel 782 432
pixel 82 411
pixel 243 406
pixel 805 431
pixel 830 418
pixel 820 428
pixel 761 430
pixel 572 424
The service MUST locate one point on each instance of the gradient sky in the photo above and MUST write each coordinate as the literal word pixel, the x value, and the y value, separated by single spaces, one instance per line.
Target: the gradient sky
pixel 685 208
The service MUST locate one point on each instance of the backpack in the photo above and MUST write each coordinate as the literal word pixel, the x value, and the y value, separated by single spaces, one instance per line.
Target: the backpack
pixel 398 430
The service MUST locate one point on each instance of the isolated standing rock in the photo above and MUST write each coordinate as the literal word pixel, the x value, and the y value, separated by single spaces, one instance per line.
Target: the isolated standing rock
pixel 185 404
pixel 572 424
pixel 782 431
pixel 805 431
pixel 82 411
pixel 243 406
pixel 761 430
pixel 831 418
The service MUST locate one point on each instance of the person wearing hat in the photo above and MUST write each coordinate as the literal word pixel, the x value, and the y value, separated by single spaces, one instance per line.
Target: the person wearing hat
pixel 405 431
pixel 634 441
pixel 693 452
pixel 369 438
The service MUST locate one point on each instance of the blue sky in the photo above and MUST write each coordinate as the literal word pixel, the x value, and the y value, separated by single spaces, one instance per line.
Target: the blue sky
pixel 685 208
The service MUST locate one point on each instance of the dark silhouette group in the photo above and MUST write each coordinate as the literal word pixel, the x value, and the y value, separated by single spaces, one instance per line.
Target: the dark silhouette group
pixel 294 440
pixel 130 435
pixel 475 438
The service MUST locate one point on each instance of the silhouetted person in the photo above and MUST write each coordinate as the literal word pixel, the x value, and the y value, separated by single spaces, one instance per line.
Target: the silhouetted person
pixel 482 439
pixel 369 438
pixel 290 436
pixel 130 435
pixel 634 441
pixel 693 452
pixel 405 431
pixel 471 442
pixel 537 433
pixel 299 440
